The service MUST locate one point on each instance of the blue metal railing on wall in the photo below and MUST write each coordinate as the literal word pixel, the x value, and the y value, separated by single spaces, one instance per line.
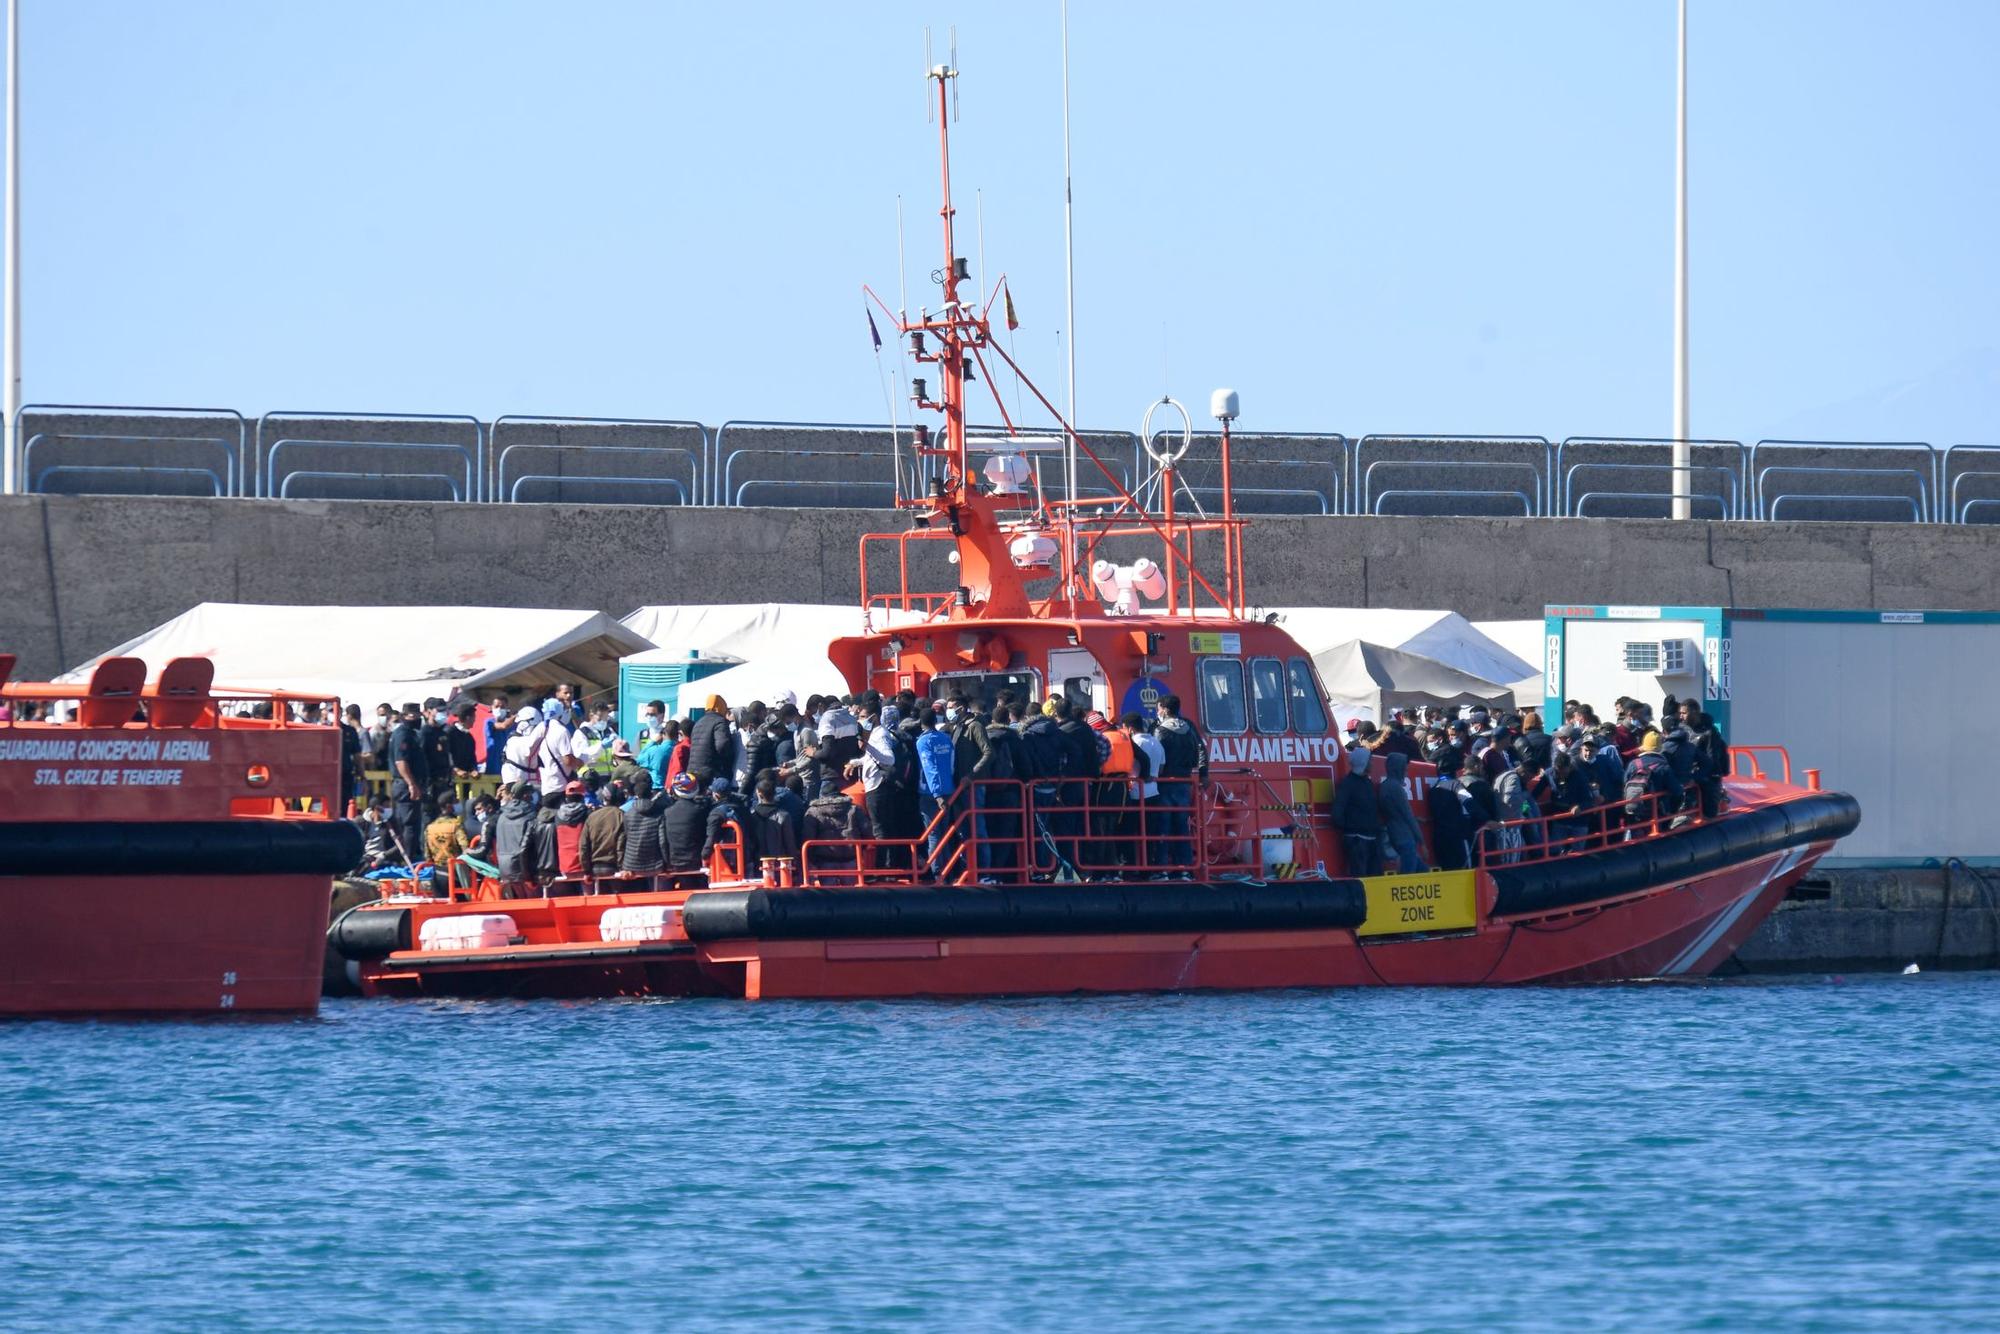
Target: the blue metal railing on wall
pixel 278 482
pixel 227 418
pixel 476 456
pixel 1628 450
pixel 1813 462
pixel 1323 460
pixel 690 488
pixel 75 448
pixel 1536 455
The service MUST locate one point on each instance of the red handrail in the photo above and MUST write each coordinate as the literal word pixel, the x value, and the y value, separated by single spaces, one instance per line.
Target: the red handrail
pixel 1077 831
pixel 1739 754
pixel 1605 826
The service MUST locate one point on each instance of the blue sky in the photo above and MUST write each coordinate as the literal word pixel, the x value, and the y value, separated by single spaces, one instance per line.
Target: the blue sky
pixel 1390 217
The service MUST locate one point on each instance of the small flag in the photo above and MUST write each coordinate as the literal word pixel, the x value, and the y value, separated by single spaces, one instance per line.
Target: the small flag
pixel 1013 322
pixel 873 332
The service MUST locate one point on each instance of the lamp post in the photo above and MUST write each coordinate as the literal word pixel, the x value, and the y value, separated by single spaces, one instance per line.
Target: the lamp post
pixel 1683 454
pixel 10 354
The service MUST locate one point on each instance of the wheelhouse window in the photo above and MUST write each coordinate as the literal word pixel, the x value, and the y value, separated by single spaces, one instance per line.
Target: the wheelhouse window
pixel 983 688
pixel 1308 714
pixel 1223 709
pixel 1267 694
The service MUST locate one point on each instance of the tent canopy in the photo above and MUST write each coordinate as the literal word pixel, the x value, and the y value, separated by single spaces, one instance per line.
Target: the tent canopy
pixel 744 630
pixel 1366 680
pixel 767 678
pixel 388 655
pixel 1442 636
pixel 751 630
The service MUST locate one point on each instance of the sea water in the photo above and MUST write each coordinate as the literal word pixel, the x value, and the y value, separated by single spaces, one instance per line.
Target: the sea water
pixel 1819 1153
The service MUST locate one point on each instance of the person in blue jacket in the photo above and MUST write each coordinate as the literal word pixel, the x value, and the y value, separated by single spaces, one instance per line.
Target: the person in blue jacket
pixel 935 783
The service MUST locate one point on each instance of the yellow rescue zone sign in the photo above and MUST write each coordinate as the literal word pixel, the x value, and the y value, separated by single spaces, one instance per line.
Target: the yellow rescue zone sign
pixel 1399 905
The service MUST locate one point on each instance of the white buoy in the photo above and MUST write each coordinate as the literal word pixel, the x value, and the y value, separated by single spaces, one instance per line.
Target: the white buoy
pixel 1911 969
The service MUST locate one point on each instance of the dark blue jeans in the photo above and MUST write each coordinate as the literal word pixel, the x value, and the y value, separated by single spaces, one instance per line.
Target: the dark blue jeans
pixel 1173 802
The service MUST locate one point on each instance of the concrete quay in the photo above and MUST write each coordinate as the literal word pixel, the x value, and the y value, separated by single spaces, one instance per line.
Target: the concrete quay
pixel 89 572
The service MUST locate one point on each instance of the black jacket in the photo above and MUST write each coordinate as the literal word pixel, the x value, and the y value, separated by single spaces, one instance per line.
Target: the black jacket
pixel 1186 752
pixel 1455 817
pixel 1485 802
pixel 1357 807
pixel 684 828
pixel 437 752
pixel 726 814
pixel 711 750
pixel 644 848
pixel 760 752
pixel 833 818
pixel 462 750
pixel 972 753
pixel 777 832
pixel 547 853
pixel 1578 790
pixel 1081 744
pixel 1043 749
pixel 1006 758
pixel 406 744
pixel 1535 747
pixel 1711 755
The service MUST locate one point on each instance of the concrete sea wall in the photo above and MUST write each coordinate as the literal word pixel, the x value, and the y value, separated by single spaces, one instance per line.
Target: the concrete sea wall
pixel 88 572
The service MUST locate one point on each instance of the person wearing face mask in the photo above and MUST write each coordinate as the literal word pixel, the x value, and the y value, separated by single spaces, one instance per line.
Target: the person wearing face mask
pixel 935 785
pixel 460 744
pixel 437 754
pixel 499 730
pixel 652 725
pixel 411 782
pixel 378 735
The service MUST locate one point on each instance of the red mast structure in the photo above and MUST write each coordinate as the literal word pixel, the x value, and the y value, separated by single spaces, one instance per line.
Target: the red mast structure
pixel 1007 533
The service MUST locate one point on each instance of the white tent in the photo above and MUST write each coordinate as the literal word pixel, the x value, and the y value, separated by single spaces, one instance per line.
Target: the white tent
pixel 1366 680
pixel 780 645
pixel 753 631
pixel 1442 636
pixel 1523 639
pixel 388 655
pixel 767 678
pixel 746 630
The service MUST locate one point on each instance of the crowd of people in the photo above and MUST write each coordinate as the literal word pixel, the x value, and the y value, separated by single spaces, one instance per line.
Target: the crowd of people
pixel 575 800
pixel 946 781
pixel 1505 784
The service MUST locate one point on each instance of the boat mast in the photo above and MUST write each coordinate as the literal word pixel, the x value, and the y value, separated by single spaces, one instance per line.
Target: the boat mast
pixel 1069 288
pixel 951 356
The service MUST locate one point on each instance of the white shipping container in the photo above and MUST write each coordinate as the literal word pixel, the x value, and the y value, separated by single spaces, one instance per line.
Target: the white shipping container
pixel 1895 708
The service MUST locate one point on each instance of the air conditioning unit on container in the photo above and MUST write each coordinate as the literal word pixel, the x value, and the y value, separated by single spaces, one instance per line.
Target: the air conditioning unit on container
pixel 1660 657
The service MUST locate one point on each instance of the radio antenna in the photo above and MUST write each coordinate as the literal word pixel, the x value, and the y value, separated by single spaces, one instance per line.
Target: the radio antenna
pixel 954 70
pixel 930 111
pixel 1069 276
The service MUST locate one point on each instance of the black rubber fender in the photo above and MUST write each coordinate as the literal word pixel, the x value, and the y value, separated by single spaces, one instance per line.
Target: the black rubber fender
pixel 191 847
pixel 370 933
pixel 938 911
pixel 1695 851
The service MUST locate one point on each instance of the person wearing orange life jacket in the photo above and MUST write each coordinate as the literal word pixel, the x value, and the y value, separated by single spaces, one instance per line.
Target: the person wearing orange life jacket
pixel 1110 822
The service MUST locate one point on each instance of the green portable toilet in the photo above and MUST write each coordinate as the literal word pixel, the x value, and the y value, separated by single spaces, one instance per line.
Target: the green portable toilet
pixel 660 674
